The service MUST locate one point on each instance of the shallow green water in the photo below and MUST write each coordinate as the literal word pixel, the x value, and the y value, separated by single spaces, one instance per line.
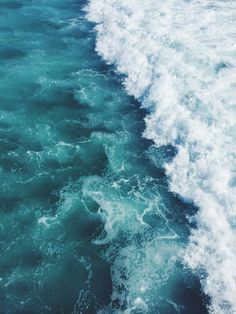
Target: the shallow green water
pixel 87 221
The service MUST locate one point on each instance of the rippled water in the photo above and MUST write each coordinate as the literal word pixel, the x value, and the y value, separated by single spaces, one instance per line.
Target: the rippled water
pixel 88 224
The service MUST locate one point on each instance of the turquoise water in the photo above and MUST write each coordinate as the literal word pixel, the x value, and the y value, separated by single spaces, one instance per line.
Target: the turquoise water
pixel 88 224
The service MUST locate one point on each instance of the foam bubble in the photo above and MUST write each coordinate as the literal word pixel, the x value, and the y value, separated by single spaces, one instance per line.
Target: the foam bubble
pixel 179 58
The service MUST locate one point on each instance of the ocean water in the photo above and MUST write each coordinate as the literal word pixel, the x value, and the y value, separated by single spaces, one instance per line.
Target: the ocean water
pixel 90 222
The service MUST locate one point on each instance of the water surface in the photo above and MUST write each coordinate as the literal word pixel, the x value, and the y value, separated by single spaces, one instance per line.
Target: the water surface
pixel 88 224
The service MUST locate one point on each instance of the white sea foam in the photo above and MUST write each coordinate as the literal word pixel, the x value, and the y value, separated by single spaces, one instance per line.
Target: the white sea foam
pixel 179 58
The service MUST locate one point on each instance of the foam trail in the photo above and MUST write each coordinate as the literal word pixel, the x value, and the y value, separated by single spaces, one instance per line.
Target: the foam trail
pixel 179 58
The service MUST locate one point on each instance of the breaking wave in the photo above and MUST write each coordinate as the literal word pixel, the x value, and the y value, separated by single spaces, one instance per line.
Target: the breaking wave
pixel 179 60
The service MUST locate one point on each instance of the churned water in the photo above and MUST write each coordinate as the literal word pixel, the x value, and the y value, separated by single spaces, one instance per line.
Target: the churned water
pixel 88 224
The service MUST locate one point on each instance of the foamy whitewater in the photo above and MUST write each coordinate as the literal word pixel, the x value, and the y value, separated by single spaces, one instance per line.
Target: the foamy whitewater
pixel 179 59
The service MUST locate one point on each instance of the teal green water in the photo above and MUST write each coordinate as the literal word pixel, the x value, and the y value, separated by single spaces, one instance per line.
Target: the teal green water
pixel 87 222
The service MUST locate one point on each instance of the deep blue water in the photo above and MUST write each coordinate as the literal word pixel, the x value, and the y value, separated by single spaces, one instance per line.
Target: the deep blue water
pixel 88 224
